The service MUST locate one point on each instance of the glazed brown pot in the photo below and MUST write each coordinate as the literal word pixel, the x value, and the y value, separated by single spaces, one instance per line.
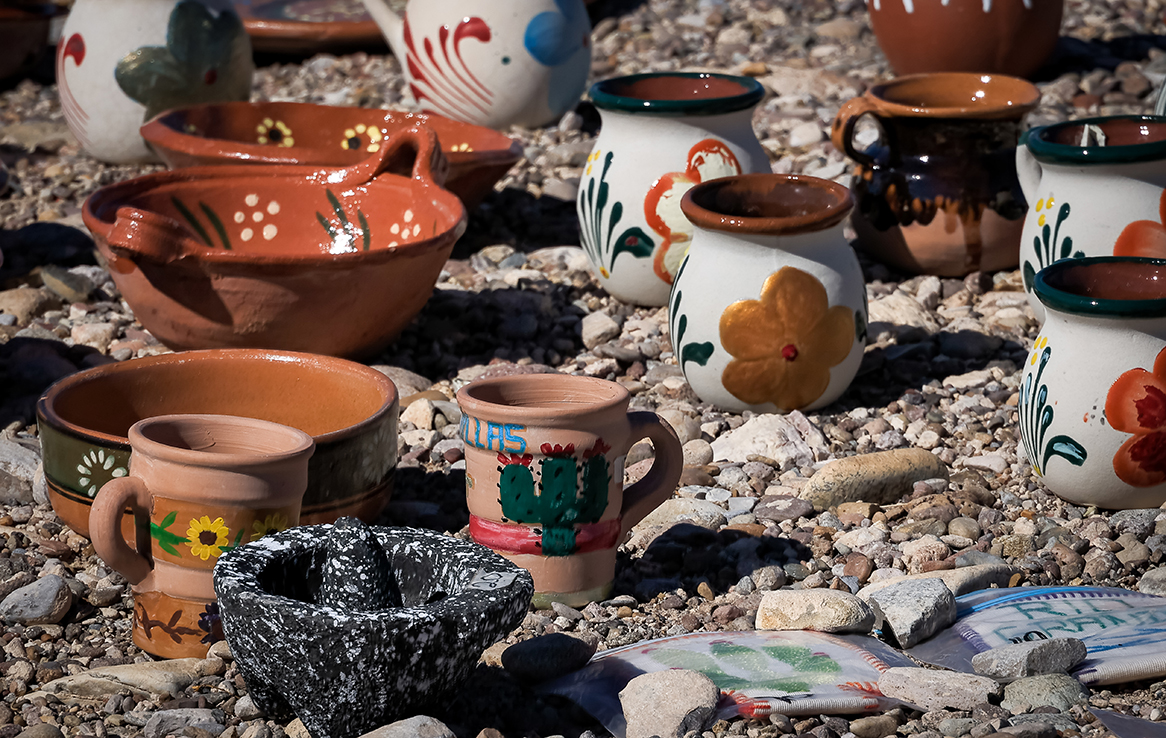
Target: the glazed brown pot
pixel 349 410
pixel 24 36
pixel 939 193
pixel 198 486
pixel 324 135
pixel 996 36
pixel 329 261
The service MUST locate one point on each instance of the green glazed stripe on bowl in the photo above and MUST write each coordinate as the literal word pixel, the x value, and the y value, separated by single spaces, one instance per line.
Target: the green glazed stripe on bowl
pixel 610 94
pixel 1040 142
pixel 1060 300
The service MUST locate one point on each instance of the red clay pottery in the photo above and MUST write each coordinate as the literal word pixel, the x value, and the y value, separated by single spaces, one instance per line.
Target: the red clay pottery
pixel 198 485
pixel 323 135
pixel 349 409
pixel 308 26
pixel 998 36
pixel 24 36
pixel 544 477
pixel 330 261
pixel 939 194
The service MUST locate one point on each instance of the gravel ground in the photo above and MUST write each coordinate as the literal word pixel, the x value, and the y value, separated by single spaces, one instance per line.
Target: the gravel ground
pixel 940 373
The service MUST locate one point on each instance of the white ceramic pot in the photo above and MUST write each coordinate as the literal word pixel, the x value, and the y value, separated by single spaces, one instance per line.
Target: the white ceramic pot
pixel 121 62
pixel 1093 397
pixel 769 311
pixel 1092 200
pixel 662 134
pixel 493 64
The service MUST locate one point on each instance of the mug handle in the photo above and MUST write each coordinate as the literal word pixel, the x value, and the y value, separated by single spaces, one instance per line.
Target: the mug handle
pixel 105 526
pixel 660 482
pixel 842 130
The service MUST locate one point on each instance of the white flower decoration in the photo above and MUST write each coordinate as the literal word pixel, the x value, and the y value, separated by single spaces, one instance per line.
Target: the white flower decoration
pixel 92 466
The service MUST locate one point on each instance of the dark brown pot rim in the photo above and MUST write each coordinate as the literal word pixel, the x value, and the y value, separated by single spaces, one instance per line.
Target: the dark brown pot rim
pixel 46 405
pixel 1108 274
pixel 1023 96
pixel 557 395
pixel 146 435
pixel 607 94
pixel 825 204
pixel 1040 142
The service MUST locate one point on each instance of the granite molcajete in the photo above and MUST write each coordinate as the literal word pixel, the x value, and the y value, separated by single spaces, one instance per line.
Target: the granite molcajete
pixel 324 135
pixel 349 410
pixel 198 485
pixel 331 261
pixel 351 627
pixel 939 193
pixel 520 62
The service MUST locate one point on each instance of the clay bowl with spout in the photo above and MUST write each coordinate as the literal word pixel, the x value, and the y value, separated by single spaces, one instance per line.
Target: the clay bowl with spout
pixel 299 258
pixel 324 135
pixel 349 409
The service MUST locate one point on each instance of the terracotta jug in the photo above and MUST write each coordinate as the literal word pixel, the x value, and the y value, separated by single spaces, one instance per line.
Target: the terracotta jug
pixel 939 194
pixel 121 62
pixel 544 477
pixel 198 485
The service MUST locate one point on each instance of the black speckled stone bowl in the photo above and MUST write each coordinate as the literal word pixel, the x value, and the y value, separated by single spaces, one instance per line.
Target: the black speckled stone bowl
pixel 351 626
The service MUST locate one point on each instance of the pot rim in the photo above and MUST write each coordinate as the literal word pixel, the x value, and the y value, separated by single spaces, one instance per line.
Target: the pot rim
pixel 1048 152
pixel 837 204
pixel 596 396
pixel 46 405
pixel 296 442
pixel 1012 111
pixel 604 98
pixel 1064 301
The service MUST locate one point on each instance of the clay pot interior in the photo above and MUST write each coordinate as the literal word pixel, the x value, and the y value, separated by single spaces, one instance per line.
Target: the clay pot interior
pixel 1118 132
pixel 958 95
pixel 674 87
pixel 677 92
pixel 547 392
pixel 1105 284
pixel 767 203
pixel 202 441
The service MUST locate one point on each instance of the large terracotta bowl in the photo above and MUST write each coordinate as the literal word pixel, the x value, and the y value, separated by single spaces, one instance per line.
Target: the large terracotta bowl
pixel 329 261
pixel 349 409
pixel 324 135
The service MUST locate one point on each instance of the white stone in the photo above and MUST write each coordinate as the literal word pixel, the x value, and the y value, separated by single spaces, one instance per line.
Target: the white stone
pixel 668 704
pixel 826 610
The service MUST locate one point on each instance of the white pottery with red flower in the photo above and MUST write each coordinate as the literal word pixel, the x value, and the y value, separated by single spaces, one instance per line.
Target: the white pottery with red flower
pixel 493 64
pixel 662 134
pixel 120 62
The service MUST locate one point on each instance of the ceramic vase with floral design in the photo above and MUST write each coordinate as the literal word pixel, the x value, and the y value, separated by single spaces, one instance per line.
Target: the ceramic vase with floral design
pixel 494 64
pixel 198 485
pixel 1092 409
pixel 121 62
pixel 662 134
pixel 1095 187
pixel 768 312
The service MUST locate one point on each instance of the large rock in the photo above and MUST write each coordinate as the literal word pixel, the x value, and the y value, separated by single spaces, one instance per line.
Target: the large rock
pixel 546 657
pixel 18 461
pixel 791 440
pixel 1048 690
pixel 668 703
pixel 421 726
pixel 960 580
pixel 937 690
pixel 1153 582
pixel 1030 658
pixel 45 601
pixel 152 677
pixel 826 610
pixel 914 611
pixel 881 477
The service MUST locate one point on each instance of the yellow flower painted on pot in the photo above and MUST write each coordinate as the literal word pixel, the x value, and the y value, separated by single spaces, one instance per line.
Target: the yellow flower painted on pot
pixel 361 136
pixel 276 132
pixel 1046 205
pixel 206 537
pixel 592 159
pixel 461 148
pixel 273 523
pixel 784 344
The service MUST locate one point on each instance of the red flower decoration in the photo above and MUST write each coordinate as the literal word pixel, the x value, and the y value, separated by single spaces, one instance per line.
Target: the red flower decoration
pixel 557 450
pixel 1136 404
pixel 1144 237
pixel 598 449
pixel 508 459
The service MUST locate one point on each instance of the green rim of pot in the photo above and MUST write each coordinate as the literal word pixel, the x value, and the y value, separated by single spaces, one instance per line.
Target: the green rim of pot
pixel 1036 139
pixel 1057 299
pixel 605 99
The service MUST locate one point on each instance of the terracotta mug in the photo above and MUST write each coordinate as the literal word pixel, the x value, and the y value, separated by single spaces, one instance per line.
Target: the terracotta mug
pixel 198 485
pixel 544 477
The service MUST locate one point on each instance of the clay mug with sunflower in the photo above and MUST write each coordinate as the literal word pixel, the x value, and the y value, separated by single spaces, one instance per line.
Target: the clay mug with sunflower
pixel 198 485
pixel 1092 401
pixel 768 312
pixel 1095 187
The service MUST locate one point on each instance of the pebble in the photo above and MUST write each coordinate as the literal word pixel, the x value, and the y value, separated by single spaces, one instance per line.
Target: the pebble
pixel 826 610
pixel 175 722
pixel 419 726
pixel 44 601
pixel 598 328
pixel 1153 582
pixel 960 581
pixel 701 512
pixel 698 452
pixel 937 690
pixel 788 439
pixel 1052 690
pixel 1030 658
pixel 40 730
pixel 882 477
pixel 544 658
pixel 668 704
pixel 915 610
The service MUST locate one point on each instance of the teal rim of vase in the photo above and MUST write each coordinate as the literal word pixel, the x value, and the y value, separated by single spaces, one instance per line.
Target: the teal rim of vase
pixel 1048 152
pixel 1063 301
pixel 604 98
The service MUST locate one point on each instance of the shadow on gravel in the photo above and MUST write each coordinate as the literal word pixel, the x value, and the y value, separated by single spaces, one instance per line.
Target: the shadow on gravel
pixel 520 219
pixel 1079 55
pixel 27 367
pixel 41 244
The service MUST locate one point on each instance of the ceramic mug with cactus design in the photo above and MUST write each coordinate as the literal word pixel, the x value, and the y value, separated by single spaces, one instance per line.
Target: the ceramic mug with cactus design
pixel 198 485
pixel 544 477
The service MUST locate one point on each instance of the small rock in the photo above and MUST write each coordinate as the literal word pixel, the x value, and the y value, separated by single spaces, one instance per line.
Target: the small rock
pixel 174 722
pixel 1030 658
pixel 960 580
pixel 782 507
pixel 246 709
pixel 881 477
pixel 407 382
pixel 698 452
pixel 805 134
pixel 937 690
pixel 27 303
pixel 420 413
pixel 69 286
pixel 994 463
pixel 40 730
pixel 874 726
pixel 825 610
pixel 914 610
pixel 1054 690
pixel 1153 582
pixel 546 657
pixel 421 726
pixel 705 514
pixel 839 29
pixel 44 601
pixel 599 328
pixel 668 703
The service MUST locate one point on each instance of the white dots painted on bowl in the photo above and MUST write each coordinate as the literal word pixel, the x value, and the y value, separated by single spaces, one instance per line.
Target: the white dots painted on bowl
pixel 392 244
pixel 239 217
pixel 416 229
pixel 273 208
pixel 408 216
pixel 394 229
pixel 269 231
pixel 251 200
pixel 247 234
pixel 257 216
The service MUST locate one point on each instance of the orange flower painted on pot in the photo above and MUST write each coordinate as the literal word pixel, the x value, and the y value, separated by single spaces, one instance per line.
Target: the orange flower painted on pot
pixel 784 344
pixel 1136 404
pixel 1144 237
pixel 709 159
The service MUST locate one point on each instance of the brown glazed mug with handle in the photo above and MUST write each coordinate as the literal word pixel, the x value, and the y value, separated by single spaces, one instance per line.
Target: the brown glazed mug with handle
pixel 544 477
pixel 198 485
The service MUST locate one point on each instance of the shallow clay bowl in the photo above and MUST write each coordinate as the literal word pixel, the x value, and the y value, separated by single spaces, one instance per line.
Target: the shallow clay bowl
pixel 349 409
pixel 329 261
pixel 307 27
pixel 323 135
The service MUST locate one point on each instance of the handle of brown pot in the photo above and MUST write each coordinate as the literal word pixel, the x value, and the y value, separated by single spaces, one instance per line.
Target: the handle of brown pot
pixel 660 482
pixel 842 130
pixel 414 152
pixel 105 526
pixel 137 233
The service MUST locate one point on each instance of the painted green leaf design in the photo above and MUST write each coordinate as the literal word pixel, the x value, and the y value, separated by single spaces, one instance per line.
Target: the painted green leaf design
pixel 635 242
pixel 167 540
pixel 169 519
pixel 1066 448
pixel 698 353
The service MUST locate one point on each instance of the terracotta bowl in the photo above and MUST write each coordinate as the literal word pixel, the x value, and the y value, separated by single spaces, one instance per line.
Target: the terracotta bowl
pixel 323 135
pixel 329 261
pixel 24 36
pixel 349 409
